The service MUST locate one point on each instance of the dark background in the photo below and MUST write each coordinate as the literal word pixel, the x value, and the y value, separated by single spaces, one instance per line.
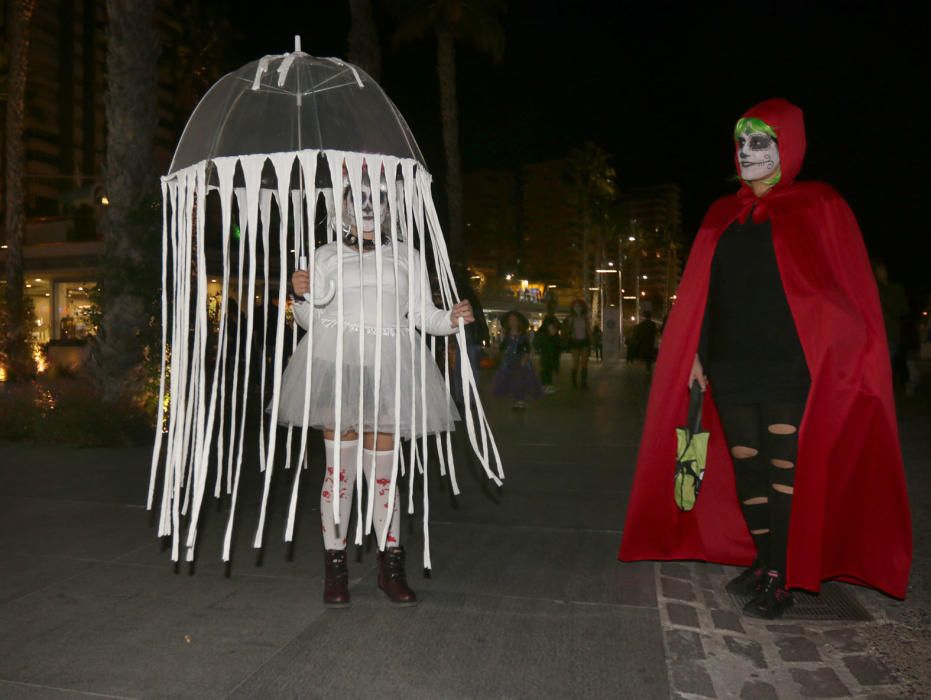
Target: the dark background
pixel 660 85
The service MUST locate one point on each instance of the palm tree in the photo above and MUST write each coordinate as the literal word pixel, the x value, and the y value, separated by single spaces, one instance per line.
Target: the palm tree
pixel 198 49
pixel 476 22
pixel 132 117
pixel 16 337
pixel 594 187
pixel 364 46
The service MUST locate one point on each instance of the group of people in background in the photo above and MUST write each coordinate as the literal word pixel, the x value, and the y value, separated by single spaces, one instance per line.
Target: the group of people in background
pixel 516 377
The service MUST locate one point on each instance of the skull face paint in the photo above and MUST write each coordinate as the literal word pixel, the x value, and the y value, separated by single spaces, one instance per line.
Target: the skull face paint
pixel 367 206
pixel 757 150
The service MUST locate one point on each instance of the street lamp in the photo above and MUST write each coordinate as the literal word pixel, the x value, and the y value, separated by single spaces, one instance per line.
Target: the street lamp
pixel 620 292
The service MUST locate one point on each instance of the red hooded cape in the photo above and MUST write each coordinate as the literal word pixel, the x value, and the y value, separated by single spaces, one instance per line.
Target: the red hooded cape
pixel 850 515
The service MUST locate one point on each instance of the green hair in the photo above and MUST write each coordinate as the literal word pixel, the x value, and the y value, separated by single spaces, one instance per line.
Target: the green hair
pixel 748 125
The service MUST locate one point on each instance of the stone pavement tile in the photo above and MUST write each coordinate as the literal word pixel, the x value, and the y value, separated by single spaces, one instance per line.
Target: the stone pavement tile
pixel 711 599
pixel 568 565
pixel 684 644
pixel 846 640
pixel 76 529
pixel 27 691
pixel 463 646
pixel 747 648
pixel 867 670
pixel 675 569
pixel 727 620
pixel 21 574
pixel 107 475
pixel 786 629
pixel 797 649
pixel 130 631
pixel 680 614
pixel 692 678
pixel 515 506
pixel 819 683
pixel 706 575
pixel 677 590
pixel 758 690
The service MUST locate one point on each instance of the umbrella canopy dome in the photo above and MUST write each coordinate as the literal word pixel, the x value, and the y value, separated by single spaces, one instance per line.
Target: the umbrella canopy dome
pixel 290 103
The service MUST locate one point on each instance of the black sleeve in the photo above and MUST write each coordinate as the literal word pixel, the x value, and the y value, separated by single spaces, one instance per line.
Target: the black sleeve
pixel 704 339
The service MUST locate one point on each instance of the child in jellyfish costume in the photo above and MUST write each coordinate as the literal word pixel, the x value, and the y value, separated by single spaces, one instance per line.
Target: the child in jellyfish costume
pixel 383 379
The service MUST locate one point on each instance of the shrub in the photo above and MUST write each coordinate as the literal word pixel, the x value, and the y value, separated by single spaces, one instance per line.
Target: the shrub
pixel 65 411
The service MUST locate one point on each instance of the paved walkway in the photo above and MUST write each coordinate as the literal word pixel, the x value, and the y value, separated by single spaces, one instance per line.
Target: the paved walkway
pixel 526 600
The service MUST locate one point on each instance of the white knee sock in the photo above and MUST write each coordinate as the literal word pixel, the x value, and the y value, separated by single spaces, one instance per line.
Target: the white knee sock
pixel 335 536
pixel 383 467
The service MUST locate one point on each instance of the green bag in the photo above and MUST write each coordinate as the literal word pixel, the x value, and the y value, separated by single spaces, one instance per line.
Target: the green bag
pixel 692 451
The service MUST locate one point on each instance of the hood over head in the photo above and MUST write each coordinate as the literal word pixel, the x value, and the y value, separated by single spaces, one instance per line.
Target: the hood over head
pixel 787 122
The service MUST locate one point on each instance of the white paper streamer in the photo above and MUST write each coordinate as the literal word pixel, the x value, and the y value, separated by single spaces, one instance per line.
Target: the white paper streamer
pixel 195 416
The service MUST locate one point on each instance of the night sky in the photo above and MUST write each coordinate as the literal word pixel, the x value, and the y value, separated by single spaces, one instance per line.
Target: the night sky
pixel 660 85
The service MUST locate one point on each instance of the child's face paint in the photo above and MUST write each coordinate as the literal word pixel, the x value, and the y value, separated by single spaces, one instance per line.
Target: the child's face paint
pixel 368 210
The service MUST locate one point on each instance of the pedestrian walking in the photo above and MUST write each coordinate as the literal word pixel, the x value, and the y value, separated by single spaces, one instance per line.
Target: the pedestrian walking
pixel 597 342
pixel 644 341
pixel 778 306
pixel 516 378
pixel 577 331
pixel 548 344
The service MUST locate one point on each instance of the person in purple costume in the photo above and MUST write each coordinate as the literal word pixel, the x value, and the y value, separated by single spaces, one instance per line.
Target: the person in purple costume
pixel 516 377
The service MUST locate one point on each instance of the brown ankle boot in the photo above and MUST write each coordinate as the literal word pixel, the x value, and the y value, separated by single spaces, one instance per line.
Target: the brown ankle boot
pixel 391 577
pixel 336 581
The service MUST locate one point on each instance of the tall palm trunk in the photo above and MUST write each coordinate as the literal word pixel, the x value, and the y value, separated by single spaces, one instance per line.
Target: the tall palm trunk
pixel 446 71
pixel 132 117
pixel 16 335
pixel 364 46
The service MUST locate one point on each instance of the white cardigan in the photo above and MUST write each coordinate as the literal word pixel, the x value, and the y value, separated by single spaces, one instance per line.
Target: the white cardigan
pixel 364 283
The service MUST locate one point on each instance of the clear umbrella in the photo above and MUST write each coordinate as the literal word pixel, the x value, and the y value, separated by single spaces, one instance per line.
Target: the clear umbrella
pixel 272 138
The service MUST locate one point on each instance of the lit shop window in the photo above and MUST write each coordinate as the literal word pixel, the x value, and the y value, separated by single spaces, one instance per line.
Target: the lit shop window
pixel 73 303
pixel 38 294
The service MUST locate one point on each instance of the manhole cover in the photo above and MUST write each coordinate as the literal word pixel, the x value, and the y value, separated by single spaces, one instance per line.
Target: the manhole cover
pixel 833 603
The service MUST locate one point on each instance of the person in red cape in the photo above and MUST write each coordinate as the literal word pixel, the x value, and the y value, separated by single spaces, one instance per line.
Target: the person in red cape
pixel 778 318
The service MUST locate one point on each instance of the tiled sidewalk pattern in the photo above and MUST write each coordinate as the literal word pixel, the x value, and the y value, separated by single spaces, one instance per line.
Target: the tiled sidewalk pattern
pixel 713 651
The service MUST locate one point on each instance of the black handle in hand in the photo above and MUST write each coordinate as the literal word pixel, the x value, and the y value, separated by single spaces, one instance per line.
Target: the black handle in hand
pixel 696 396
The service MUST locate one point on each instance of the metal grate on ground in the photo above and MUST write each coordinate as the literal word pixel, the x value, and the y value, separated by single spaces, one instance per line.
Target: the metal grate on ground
pixel 834 603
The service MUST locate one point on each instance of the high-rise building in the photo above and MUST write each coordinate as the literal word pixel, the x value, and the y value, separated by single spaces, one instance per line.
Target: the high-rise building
pixel 524 223
pixel 64 136
pixel 657 210
pixel 650 228
pixel 492 235
pixel 552 248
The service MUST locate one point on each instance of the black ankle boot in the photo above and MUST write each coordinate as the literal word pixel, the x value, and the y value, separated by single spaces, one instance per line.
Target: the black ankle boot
pixel 773 599
pixel 748 581
pixel 336 579
pixel 392 579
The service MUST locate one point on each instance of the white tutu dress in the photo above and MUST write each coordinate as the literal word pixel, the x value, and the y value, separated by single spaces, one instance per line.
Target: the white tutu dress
pixel 399 304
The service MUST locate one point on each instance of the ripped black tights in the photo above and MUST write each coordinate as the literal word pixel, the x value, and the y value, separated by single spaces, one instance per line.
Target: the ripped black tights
pixel 763 440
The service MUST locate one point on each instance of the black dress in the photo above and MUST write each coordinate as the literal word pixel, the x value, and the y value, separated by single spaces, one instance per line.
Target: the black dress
pixel 749 346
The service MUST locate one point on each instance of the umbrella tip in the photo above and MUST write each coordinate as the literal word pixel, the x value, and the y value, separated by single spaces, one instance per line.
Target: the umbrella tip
pixel 297 43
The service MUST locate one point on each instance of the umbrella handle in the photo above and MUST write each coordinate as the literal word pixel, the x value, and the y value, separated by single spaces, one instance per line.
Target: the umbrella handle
pixel 695 405
pixel 330 291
